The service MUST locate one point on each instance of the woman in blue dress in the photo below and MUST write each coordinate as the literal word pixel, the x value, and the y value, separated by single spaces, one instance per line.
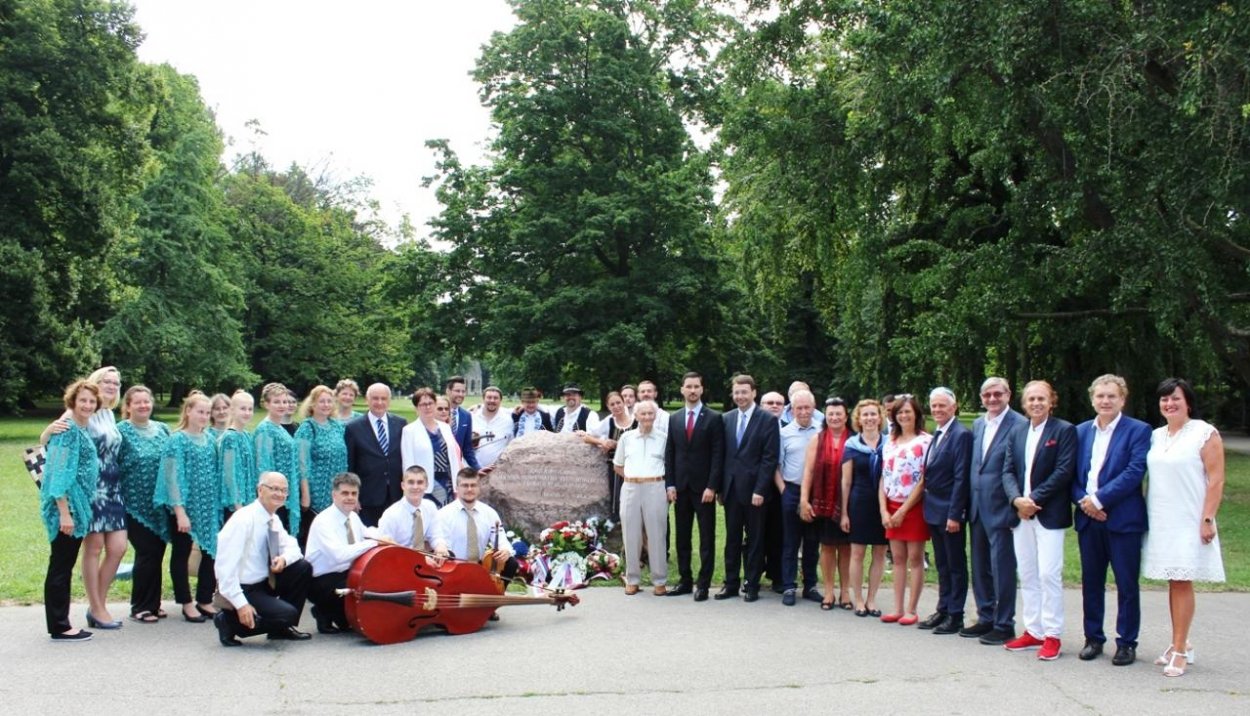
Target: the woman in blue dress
pixel 275 450
pixel 321 453
pixel 236 461
pixel 147 525
pixel 69 483
pixel 861 506
pixel 187 486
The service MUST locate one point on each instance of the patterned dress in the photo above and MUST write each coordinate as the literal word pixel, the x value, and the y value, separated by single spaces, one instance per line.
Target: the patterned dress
pixel 108 512
pixel 236 468
pixel 321 454
pixel 71 472
pixel 139 462
pixel 188 479
pixel 275 450
pixel 355 414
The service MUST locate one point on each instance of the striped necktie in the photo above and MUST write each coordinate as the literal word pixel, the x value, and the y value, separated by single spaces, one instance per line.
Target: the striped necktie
pixel 383 441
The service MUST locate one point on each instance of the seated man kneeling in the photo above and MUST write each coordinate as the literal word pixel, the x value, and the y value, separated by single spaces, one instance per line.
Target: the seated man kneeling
pixel 335 539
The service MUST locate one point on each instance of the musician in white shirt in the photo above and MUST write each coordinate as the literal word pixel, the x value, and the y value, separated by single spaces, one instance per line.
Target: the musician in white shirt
pixel 399 523
pixel 335 539
pixel 260 570
pixel 452 536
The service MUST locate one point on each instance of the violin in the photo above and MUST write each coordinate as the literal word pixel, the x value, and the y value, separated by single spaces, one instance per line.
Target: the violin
pixel 393 592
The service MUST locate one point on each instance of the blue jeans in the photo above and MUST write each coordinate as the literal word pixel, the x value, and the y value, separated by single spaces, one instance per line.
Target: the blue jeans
pixel 795 533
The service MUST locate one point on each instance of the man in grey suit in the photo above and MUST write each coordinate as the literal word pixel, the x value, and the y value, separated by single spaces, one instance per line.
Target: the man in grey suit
pixel 993 554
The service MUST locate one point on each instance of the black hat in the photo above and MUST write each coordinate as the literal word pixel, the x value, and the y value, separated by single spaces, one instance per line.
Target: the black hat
pixel 571 388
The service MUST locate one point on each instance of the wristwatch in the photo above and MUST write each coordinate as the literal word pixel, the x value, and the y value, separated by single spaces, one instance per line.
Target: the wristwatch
pixel 1208 520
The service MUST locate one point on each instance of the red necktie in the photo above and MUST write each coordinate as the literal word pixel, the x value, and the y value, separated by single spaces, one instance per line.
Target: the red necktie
pixel 689 425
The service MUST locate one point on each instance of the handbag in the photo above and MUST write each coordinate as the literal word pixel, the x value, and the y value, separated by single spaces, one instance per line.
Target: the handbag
pixel 34 458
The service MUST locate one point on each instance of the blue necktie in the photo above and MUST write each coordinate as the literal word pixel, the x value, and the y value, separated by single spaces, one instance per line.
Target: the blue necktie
pixel 742 426
pixel 383 441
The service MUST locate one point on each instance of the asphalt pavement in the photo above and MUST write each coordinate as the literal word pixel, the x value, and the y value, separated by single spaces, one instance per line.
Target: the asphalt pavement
pixel 614 654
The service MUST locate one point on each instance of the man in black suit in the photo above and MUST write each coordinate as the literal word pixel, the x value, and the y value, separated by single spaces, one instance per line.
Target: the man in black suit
pixel 752 444
pixel 373 454
pixel 946 509
pixel 993 555
pixel 693 458
pixel 1037 477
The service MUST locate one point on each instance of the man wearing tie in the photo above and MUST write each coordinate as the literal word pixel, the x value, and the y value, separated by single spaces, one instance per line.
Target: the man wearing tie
pixel 1110 515
pixel 410 521
pixel 946 509
pixel 692 465
pixel 752 443
pixel 335 539
pixel 260 570
pixel 468 529
pixel 1037 477
pixel 460 420
pixel 993 554
pixel 373 454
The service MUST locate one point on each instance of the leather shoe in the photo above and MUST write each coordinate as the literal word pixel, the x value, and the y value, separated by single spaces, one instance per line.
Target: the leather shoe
pixel 700 594
pixel 953 624
pixel 751 595
pixel 726 592
pixel 788 598
pixel 324 625
pixel 290 634
pixel 1124 655
pixel 681 590
pixel 977 630
pixel 813 594
pixel 225 632
pixel 932 621
pixel 778 588
pixel 997 637
pixel 1092 650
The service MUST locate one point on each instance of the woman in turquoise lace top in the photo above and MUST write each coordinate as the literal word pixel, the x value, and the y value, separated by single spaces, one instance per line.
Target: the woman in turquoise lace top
pixel 236 463
pixel 187 485
pixel 219 409
pixel 275 450
pixel 319 447
pixel 147 526
pixel 69 482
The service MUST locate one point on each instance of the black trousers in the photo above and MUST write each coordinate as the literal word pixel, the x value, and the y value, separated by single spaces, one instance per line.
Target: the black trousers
pixel 951 559
pixel 689 507
pixel 56 594
pixel 145 592
pixel 179 576
pixel 277 608
pixel 744 520
pixel 329 605
pixel 774 535
pixel 370 515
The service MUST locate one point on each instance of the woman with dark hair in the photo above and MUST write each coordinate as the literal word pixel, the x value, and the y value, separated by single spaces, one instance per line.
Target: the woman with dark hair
pixel 428 442
pixel 861 510
pixel 902 489
pixel 69 483
pixel 147 525
pixel 605 436
pixel 819 500
pixel 1186 485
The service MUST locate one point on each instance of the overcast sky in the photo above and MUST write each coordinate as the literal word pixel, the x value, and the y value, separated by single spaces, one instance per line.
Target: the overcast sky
pixel 361 85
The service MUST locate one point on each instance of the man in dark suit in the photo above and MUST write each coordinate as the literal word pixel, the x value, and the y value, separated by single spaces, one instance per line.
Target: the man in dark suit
pixel 993 553
pixel 752 444
pixel 1110 515
pixel 693 457
pixel 460 419
pixel 1037 477
pixel 946 509
pixel 373 454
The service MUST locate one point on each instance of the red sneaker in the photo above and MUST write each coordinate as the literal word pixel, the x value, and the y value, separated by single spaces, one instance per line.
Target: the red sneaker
pixel 1049 650
pixel 1023 642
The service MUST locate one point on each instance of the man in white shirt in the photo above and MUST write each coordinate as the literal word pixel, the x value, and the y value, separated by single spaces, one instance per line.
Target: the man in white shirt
pixel 410 522
pixel 639 461
pixel 492 429
pixel 470 530
pixel 335 539
pixel 260 570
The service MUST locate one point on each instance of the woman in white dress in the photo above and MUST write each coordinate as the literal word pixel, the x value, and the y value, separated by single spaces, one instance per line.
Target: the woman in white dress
pixel 1186 468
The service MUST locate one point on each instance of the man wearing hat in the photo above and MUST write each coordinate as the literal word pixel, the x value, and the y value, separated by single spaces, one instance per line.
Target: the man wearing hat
pixel 574 416
pixel 529 419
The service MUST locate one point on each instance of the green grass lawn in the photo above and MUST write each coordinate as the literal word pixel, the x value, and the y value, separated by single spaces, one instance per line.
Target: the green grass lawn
pixel 23 541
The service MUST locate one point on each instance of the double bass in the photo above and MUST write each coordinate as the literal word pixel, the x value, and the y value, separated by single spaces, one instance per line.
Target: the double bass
pixel 393 592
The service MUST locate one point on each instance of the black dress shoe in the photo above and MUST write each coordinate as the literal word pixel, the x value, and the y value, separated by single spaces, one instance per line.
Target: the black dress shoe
pixel 977 630
pixel 813 595
pixel 997 637
pixel 953 624
pixel 700 594
pixel 1092 650
pixel 751 595
pixel 1124 655
pixel 290 634
pixel 932 621
pixel 778 588
pixel 225 632
pixel 325 625
pixel 726 592
pixel 680 590
pixel 788 598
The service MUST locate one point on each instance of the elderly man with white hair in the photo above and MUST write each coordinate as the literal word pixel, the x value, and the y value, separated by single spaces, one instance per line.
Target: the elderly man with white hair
pixel 946 509
pixel 639 461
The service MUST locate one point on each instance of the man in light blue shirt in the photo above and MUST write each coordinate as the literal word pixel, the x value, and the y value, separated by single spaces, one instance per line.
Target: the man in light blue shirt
pixel 795 437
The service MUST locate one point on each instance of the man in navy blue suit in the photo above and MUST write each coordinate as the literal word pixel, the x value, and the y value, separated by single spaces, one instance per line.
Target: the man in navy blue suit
pixel 1110 515
pixel 461 420
pixel 752 444
pixel 946 509
pixel 993 555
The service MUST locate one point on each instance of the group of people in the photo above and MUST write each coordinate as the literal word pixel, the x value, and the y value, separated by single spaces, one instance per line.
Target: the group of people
pixel 280 512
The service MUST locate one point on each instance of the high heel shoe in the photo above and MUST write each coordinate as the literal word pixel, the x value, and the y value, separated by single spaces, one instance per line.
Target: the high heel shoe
pixel 1166 658
pixel 97 624
pixel 197 619
pixel 1174 669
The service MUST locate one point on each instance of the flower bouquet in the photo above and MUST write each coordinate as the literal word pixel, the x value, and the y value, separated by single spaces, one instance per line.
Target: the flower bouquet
pixel 569 554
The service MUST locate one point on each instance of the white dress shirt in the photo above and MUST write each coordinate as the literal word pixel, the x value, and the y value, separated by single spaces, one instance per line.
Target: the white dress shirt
pixel 396 523
pixel 328 548
pixel 991 429
pixel 1098 455
pixel 494 434
pixel 243 550
pixel 1031 440
pixel 450 533
pixel 570 419
pixel 641 455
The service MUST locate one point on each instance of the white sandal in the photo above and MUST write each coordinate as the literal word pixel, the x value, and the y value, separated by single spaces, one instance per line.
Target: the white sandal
pixel 1166 658
pixel 1172 669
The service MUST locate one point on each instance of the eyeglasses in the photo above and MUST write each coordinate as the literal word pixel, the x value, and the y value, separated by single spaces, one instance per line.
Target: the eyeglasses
pixel 993 394
pixel 278 490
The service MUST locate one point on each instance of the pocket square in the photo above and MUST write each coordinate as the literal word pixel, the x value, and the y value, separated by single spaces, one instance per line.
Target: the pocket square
pixel 1052 442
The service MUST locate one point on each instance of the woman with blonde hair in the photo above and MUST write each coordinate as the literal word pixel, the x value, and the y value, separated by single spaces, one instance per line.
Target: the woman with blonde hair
pixel 345 392
pixel 236 462
pixel 219 408
pixel 320 452
pixel 187 486
pixel 275 449
pixel 861 511
pixel 147 525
